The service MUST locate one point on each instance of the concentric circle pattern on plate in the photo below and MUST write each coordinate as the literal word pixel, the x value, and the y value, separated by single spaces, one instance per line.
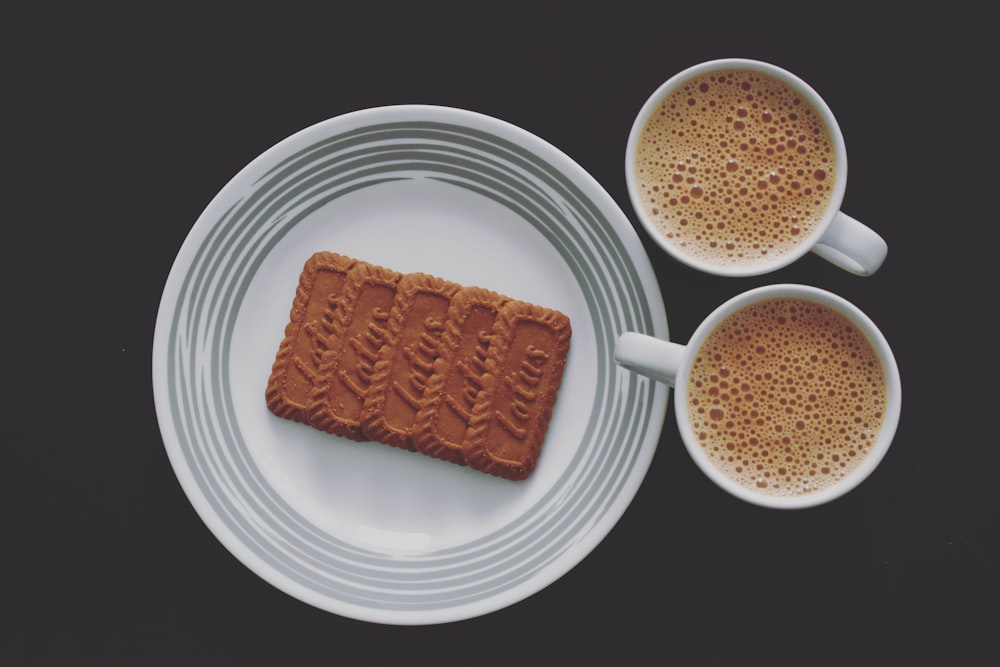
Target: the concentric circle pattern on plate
pixel 205 293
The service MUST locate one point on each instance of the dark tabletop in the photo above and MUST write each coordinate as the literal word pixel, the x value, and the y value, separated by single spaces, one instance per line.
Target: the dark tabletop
pixel 124 125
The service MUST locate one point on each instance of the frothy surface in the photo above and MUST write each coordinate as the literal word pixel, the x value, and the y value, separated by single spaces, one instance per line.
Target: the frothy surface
pixel 735 168
pixel 786 396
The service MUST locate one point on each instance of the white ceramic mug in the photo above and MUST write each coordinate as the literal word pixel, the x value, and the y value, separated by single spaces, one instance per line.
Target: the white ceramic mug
pixel 780 396
pixel 828 231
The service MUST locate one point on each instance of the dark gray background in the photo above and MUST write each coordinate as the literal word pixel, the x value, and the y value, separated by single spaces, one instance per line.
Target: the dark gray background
pixel 122 124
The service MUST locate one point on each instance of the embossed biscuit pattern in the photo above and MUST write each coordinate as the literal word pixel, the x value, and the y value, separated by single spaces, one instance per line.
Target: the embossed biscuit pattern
pixel 440 424
pixel 357 328
pixel 524 370
pixel 296 367
pixel 401 373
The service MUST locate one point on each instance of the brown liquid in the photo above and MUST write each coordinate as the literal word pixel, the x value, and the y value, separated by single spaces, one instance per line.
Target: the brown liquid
pixel 786 396
pixel 735 168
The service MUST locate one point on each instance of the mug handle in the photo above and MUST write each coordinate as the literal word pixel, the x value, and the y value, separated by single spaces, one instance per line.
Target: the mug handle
pixel 852 246
pixel 653 357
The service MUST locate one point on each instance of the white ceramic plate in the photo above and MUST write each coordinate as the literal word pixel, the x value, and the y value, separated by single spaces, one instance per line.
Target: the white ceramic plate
pixel 365 530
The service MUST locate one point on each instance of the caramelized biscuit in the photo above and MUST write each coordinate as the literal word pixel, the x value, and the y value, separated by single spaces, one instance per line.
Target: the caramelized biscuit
pixel 399 380
pixel 355 326
pixel 441 422
pixel 524 369
pixel 296 365
pixel 462 374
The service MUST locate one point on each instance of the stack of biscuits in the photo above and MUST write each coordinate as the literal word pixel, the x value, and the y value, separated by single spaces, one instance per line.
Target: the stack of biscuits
pixel 459 373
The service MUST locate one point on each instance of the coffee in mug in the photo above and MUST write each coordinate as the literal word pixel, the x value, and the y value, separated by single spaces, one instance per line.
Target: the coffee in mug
pixel 737 167
pixel 786 395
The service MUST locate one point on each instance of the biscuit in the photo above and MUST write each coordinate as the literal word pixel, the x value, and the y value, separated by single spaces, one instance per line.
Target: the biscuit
pixel 400 376
pixel 441 422
pixel 295 369
pixel 524 370
pixel 355 329
pixel 462 374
